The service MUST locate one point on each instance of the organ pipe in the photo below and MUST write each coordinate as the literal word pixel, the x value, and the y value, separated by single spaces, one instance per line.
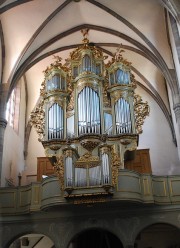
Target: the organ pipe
pixel 123 117
pixel 56 122
pixel 98 114
pixel 88 112
pixel 69 171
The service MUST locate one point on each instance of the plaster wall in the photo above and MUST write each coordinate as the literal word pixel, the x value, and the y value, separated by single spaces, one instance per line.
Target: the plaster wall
pixel 20 17
pixel 176 128
pixel 174 53
pixel 13 157
pixel 158 138
pixel 35 149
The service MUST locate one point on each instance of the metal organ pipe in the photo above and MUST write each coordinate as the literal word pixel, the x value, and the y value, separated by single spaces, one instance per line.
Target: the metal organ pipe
pixel 95 176
pixel 56 122
pixel 105 168
pixel 88 111
pixel 123 116
pixel 69 172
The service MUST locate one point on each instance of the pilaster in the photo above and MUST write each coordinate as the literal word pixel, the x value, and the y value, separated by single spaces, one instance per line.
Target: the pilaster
pixel 3 97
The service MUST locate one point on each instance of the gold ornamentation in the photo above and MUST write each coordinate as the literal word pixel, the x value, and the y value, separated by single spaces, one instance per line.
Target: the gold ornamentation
pixel 59 170
pixel 87 160
pixel 106 99
pixel 90 200
pixel 68 153
pixel 78 52
pixel 37 119
pixel 141 110
pixel 57 65
pixel 116 163
pixel 64 83
pixel 91 83
pixel 43 88
pixel 89 144
pixel 70 106
pixel 105 149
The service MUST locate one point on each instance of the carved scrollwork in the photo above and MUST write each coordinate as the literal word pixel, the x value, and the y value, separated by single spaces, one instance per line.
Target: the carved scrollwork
pixel 59 170
pixel 141 110
pixel 106 99
pixel 87 160
pixel 43 89
pixel 89 144
pixel 70 106
pixel 116 163
pixel 68 153
pixel 37 119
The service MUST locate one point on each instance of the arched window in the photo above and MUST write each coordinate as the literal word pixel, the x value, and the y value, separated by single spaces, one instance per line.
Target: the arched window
pixel 13 107
pixel 55 122
pixel 123 117
pixel 88 111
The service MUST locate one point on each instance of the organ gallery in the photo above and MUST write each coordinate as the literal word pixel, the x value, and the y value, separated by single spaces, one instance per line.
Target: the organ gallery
pixel 88 117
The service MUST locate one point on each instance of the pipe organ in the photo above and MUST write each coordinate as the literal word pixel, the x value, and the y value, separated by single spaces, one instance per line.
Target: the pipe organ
pixel 88 116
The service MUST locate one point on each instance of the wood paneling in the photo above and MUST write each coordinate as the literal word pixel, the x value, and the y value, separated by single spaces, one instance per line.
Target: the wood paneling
pixel 44 167
pixel 141 163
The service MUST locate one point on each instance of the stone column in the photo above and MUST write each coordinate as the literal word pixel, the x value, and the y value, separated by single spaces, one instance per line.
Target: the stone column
pixel 3 96
pixel 177 115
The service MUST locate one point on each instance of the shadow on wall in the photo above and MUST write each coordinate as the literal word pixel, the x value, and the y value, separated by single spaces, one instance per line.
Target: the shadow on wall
pixel 158 236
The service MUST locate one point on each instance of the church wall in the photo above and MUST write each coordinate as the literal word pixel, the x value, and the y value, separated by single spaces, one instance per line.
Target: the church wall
pixel 158 138
pixel 174 51
pixel 62 226
pixel 35 149
pixel 13 157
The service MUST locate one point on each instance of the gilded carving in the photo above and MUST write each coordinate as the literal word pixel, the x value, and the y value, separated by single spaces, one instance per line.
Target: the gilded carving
pixel 116 163
pixel 68 153
pixel 106 99
pixel 43 89
pixel 90 200
pixel 89 144
pixel 62 84
pixel 105 149
pixel 59 169
pixel 141 110
pixel 85 83
pixel 70 105
pixel 119 58
pixel 37 119
pixel 57 65
pixel 87 160
pixel 78 52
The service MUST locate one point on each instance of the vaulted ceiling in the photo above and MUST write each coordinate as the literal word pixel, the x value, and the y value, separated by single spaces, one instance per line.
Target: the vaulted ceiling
pixel 31 31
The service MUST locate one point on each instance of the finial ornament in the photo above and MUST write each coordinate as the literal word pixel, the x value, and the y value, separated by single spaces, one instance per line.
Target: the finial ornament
pixel 85 34
pixel 57 58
